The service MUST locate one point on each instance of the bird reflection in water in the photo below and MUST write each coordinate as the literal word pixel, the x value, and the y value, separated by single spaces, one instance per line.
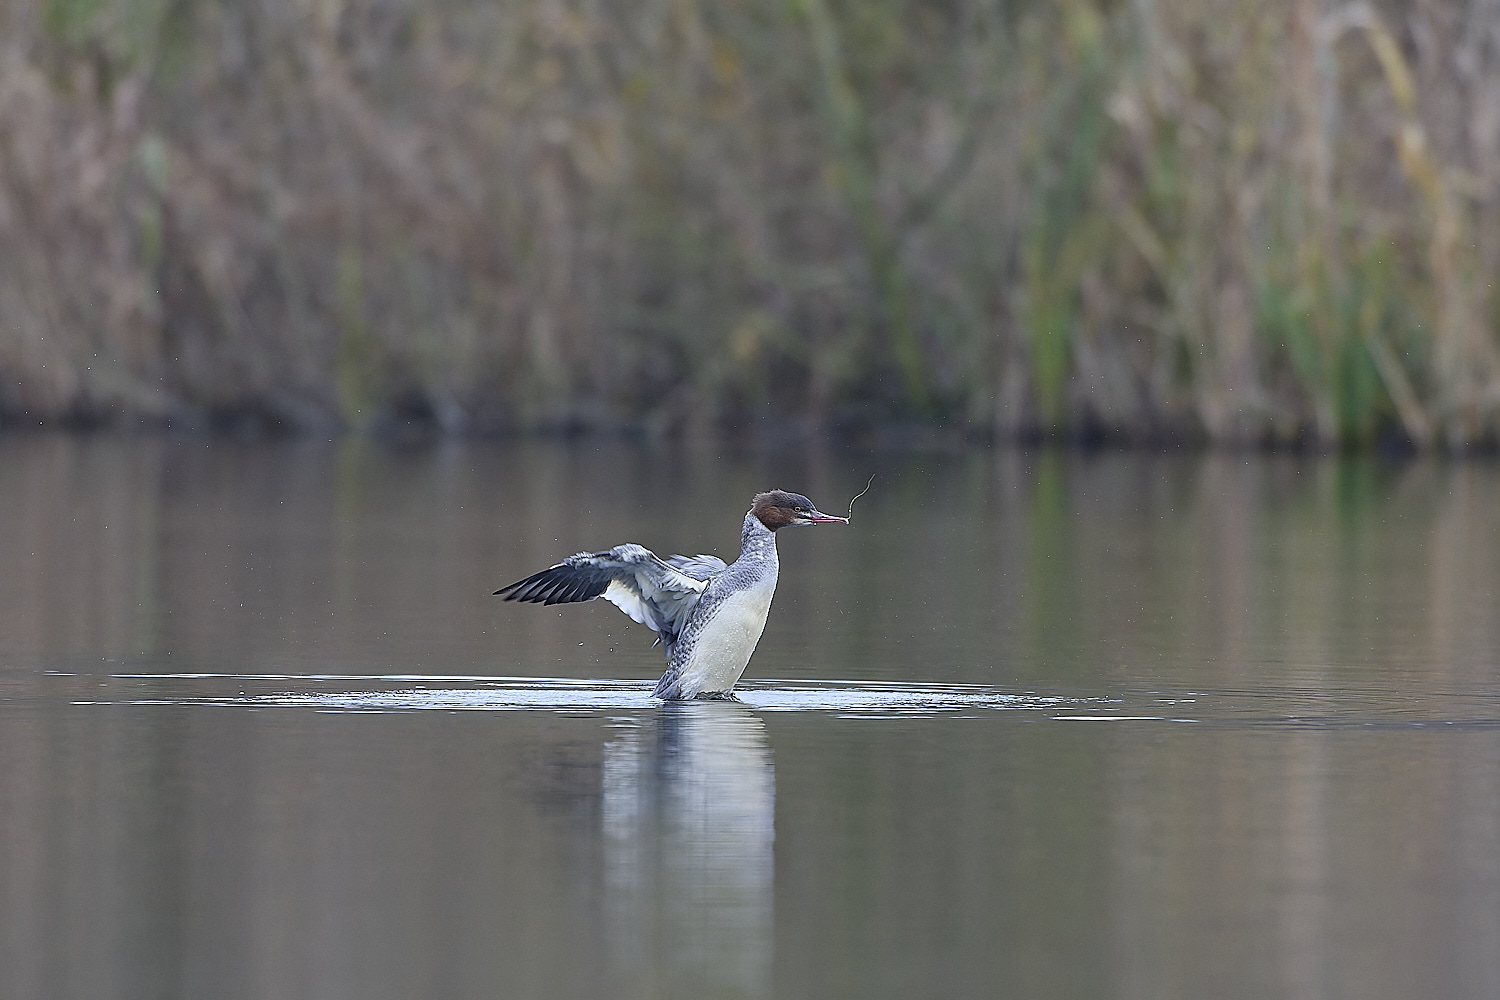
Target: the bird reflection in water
pixel 689 830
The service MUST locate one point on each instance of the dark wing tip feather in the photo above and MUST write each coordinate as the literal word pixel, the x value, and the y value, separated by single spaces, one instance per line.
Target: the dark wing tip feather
pixel 560 584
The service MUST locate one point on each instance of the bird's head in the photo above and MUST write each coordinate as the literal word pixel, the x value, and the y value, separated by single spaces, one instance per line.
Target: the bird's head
pixel 778 508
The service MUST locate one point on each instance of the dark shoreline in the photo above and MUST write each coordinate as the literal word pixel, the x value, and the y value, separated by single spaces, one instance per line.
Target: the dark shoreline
pixel 789 436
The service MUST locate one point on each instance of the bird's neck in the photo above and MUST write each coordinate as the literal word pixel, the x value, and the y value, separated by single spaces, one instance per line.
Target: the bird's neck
pixel 756 540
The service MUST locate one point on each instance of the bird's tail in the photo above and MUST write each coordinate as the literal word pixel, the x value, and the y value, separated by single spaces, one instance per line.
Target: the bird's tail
pixel 669 688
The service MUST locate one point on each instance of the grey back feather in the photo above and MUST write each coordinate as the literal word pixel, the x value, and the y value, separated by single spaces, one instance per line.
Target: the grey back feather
pixel 699 567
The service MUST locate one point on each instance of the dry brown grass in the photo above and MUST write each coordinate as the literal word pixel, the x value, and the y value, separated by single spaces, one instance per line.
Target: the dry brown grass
pixel 1211 219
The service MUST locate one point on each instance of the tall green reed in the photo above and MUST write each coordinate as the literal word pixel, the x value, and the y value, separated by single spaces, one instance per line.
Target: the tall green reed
pixel 1206 220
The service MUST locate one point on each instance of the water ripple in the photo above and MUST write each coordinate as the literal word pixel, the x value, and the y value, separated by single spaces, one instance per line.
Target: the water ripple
pixel 410 692
pixel 1235 708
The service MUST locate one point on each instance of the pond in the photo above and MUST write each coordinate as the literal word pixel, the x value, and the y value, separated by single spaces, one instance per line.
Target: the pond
pixel 1035 724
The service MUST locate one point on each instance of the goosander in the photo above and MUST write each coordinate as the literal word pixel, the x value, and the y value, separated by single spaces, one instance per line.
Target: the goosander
pixel 709 616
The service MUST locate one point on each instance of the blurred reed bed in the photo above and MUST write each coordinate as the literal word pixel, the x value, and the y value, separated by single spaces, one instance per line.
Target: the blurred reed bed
pixel 1201 220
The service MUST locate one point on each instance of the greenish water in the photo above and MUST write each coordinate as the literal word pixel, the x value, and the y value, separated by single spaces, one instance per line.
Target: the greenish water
pixel 1033 725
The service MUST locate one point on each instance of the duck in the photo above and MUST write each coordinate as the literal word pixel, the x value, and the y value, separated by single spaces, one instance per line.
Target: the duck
pixel 708 615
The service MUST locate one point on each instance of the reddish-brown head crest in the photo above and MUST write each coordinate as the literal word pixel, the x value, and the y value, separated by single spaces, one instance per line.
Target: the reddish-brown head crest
pixel 778 508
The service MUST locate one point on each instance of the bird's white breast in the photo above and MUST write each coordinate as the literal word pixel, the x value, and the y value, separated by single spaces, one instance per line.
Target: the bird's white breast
pixel 724 645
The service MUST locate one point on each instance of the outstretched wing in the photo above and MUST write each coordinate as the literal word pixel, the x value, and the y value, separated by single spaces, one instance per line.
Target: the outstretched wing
pixel 632 578
pixel 699 567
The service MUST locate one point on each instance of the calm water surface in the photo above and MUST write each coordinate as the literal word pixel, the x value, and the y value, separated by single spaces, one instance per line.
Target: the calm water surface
pixel 1033 725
